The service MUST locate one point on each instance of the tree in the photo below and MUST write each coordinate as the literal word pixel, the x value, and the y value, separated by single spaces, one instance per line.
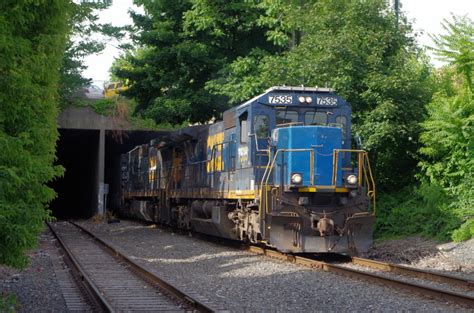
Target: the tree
pixel 182 45
pixel 86 37
pixel 448 131
pixel 33 36
pixel 457 46
pixel 358 49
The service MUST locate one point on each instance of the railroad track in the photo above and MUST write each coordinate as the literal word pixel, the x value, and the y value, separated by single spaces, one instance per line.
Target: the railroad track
pixel 439 286
pixel 112 281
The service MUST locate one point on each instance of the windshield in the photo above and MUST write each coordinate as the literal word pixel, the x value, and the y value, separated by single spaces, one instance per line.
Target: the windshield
pixel 315 118
pixel 286 116
pixel 311 117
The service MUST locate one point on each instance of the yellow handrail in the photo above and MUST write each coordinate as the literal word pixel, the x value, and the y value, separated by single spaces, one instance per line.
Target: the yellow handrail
pixel 364 172
pixel 269 168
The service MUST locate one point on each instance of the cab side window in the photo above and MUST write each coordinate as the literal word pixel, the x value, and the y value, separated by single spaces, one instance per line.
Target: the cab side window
pixel 243 127
pixel 341 121
pixel 261 126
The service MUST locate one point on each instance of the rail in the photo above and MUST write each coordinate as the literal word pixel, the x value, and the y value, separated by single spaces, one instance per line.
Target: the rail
pixel 138 270
pixel 200 307
pixel 92 290
pixel 411 271
pixel 422 289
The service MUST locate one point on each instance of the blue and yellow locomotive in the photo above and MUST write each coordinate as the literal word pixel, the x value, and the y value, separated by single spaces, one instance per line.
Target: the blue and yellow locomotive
pixel 278 169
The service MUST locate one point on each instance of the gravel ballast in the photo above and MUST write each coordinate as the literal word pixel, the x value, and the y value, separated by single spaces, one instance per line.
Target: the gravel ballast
pixel 36 287
pixel 240 281
pixel 451 258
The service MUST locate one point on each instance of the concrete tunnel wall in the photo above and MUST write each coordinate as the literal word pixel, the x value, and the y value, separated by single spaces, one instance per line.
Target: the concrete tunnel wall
pixel 89 149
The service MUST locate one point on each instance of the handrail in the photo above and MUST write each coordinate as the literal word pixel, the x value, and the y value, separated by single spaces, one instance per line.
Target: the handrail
pixel 364 171
pixel 370 178
pixel 257 149
pixel 336 159
pixel 268 170
pixel 212 152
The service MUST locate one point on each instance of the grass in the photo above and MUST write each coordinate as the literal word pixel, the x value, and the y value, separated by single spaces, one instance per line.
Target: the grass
pixel 8 303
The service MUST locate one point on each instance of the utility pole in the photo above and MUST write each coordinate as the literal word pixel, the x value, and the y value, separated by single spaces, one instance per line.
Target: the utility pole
pixel 396 6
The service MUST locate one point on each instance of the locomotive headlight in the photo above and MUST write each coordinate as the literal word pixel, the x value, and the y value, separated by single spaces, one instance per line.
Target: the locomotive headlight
pixel 301 99
pixel 351 179
pixel 296 178
pixel 309 99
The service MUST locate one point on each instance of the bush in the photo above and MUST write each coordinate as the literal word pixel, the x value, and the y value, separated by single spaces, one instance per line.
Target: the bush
pixel 447 154
pixel 32 40
pixel 423 210
pixel 465 232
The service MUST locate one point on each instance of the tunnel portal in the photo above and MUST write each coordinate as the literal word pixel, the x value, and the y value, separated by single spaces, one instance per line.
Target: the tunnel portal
pixel 89 149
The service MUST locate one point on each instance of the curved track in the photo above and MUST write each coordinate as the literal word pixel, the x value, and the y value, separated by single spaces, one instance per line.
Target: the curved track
pixel 413 285
pixel 114 282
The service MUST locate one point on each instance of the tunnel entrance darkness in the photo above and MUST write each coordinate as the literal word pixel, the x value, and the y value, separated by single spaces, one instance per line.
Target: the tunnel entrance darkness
pixel 78 152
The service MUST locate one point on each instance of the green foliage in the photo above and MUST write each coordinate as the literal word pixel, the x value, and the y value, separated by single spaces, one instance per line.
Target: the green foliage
pixel 32 40
pixel 448 153
pixel 284 29
pixel 86 37
pixel 442 206
pixel 447 138
pixel 457 46
pixel 465 231
pixel 8 303
pixel 105 106
pixel 448 131
pixel 182 45
pixel 124 108
pixel 122 64
pixel 423 210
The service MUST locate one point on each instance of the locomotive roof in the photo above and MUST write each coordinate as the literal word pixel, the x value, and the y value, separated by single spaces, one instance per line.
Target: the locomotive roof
pixel 301 88
pixel 179 135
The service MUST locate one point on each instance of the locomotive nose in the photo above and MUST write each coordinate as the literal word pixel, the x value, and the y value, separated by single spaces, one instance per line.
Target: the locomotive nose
pixel 305 155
